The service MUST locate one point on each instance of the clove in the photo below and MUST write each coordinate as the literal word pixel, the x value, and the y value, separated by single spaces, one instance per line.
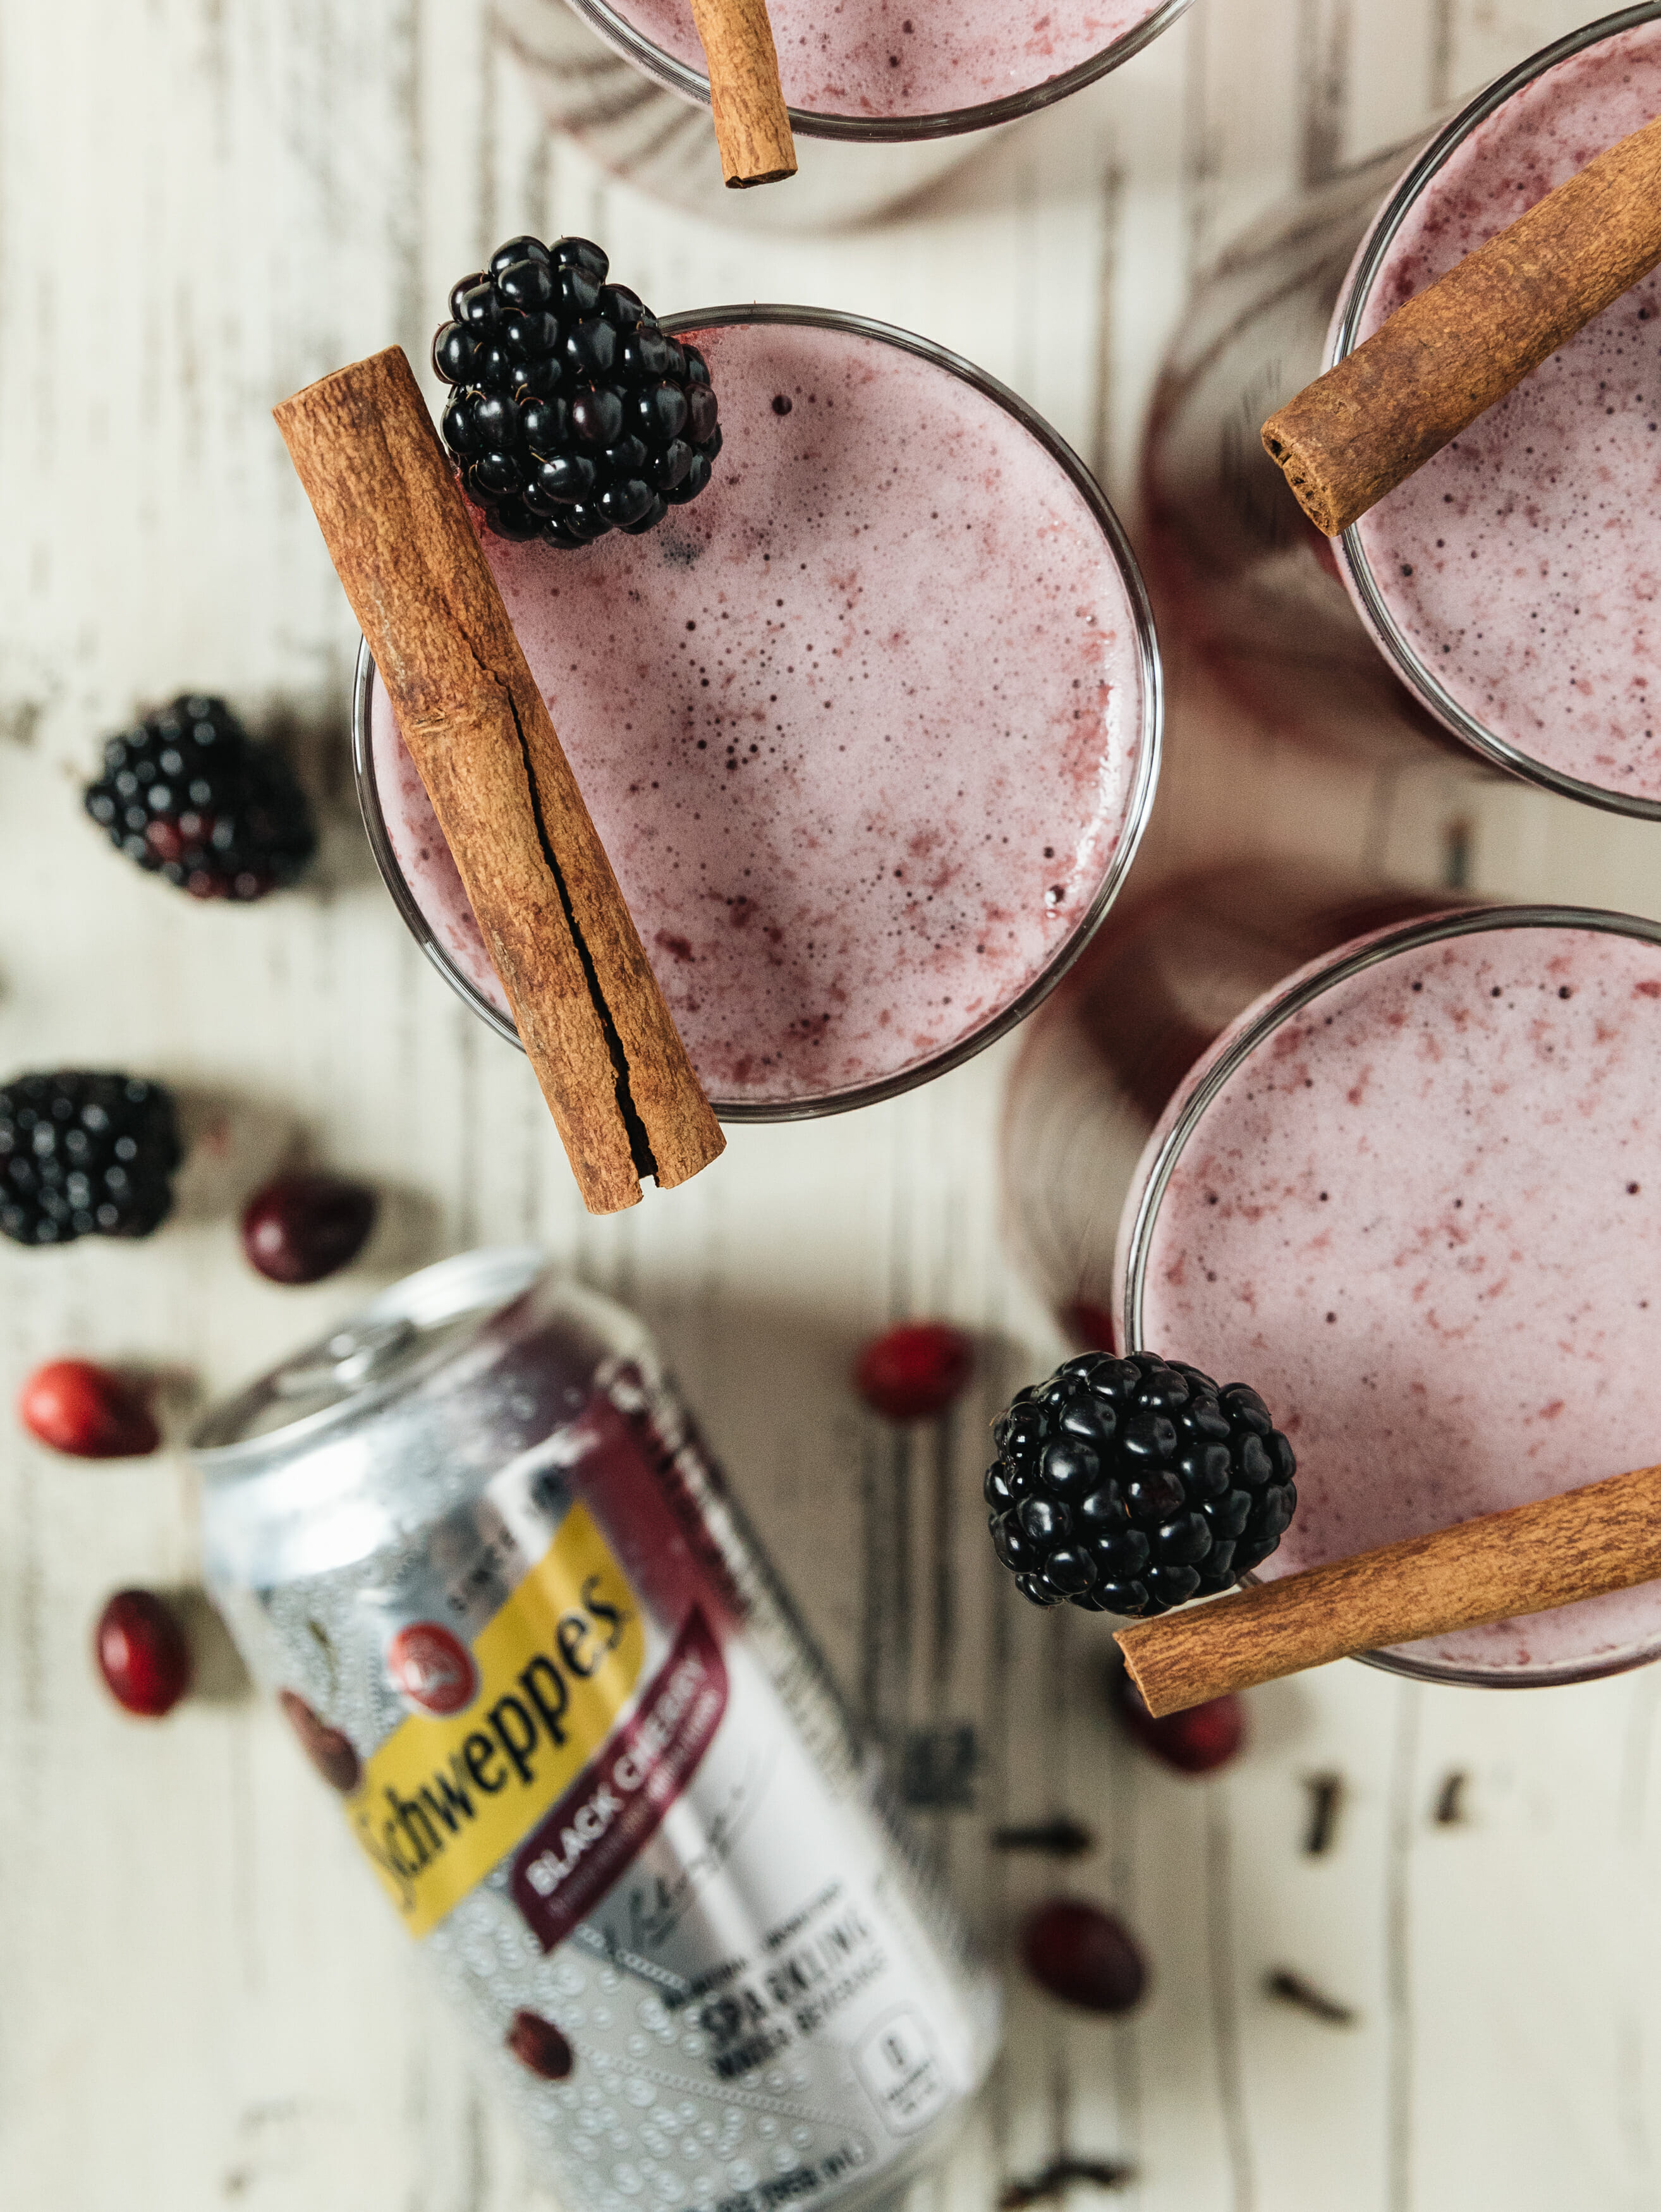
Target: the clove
pixel 1059 2176
pixel 1060 1839
pixel 1292 1989
pixel 1326 1797
pixel 1451 1801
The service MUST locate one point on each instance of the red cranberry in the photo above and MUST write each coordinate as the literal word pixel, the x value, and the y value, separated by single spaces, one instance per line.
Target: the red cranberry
pixel 538 2045
pixel 1089 1326
pixel 1197 1741
pixel 302 1227
pixel 915 1370
pixel 1083 1955
pixel 86 1412
pixel 330 1751
pixel 141 1653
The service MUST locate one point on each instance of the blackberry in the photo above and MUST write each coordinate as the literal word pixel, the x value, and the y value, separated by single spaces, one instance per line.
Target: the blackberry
pixel 85 1155
pixel 1129 1486
pixel 191 796
pixel 573 413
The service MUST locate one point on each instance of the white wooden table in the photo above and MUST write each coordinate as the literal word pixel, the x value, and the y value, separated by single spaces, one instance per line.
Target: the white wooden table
pixel 202 206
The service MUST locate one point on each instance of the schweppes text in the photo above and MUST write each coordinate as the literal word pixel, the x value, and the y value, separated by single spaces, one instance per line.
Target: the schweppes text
pixel 444 1798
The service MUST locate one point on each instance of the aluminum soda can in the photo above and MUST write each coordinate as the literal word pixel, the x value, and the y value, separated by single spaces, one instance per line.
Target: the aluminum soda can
pixel 474 1544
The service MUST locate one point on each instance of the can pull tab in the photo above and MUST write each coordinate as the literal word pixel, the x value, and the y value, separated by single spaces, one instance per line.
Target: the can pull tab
pixel 350 1357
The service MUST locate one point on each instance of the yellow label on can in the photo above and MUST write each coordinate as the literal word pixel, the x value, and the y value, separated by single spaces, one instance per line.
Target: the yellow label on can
pixel 445 1798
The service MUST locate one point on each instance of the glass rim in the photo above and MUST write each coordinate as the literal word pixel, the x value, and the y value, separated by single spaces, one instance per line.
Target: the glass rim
pixel 1252 1030
pixel 693 84
pixel 1420 679
pixel 1139 803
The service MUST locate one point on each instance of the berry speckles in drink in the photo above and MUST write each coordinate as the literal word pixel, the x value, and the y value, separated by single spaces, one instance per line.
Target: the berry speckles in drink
pixel 866 729
pixel 1519 564
pixel 1422 1208
pixel 873 61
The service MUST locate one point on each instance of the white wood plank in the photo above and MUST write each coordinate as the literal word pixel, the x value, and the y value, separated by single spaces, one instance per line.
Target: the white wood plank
pixel 200 208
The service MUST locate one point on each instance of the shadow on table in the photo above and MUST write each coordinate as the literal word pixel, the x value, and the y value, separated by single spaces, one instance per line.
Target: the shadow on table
pixel 235 1143
pixel 217 1674
pixel 869 1521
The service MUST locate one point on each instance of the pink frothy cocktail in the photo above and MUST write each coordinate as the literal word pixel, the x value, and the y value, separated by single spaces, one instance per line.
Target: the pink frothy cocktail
pixel 869 729
pixel 1414 1197
pixel 1514 580
pixel 899 68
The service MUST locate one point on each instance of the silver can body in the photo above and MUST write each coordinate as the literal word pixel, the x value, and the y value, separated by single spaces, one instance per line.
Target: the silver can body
pixel 472 1543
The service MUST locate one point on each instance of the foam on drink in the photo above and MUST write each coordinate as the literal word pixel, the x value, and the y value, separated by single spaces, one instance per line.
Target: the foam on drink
pixel 1424 1216
pixel 912 58
pixel 861 728
pixel 1521 564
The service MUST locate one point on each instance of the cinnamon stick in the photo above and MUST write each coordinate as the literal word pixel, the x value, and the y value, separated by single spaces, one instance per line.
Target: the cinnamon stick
pixel 590 1012
pixel 1530 1559
pixel 1464 341
pixel 752 124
